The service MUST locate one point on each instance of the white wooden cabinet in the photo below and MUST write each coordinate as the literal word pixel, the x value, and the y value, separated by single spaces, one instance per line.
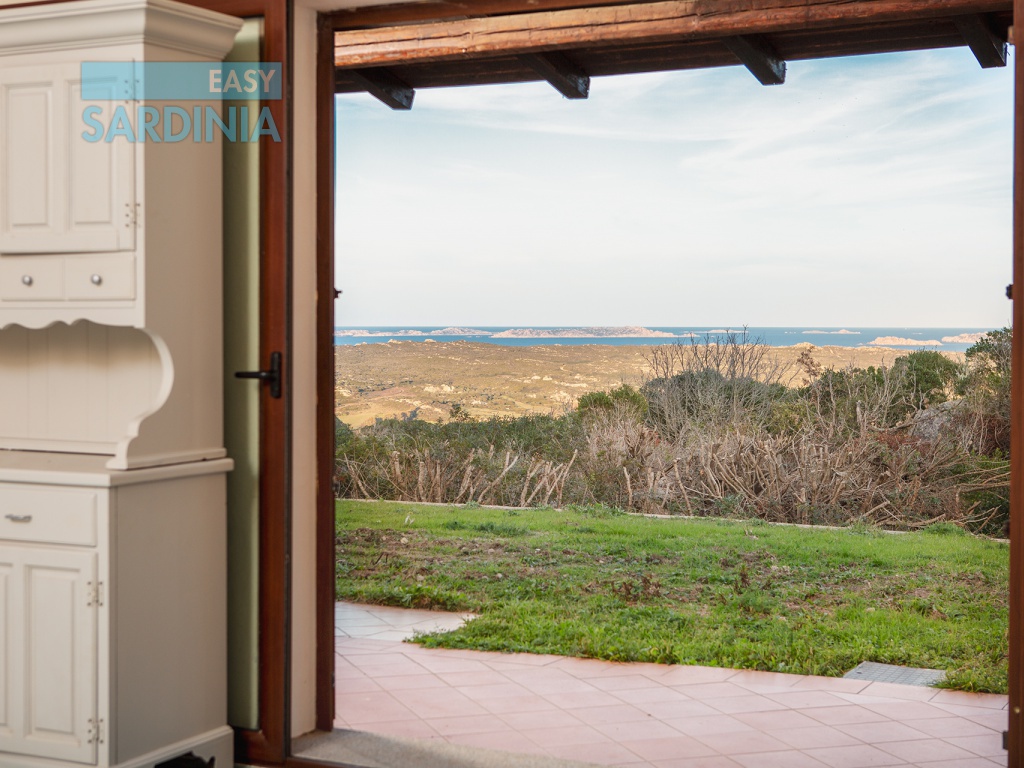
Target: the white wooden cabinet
pixel 117 233
pixel 113 610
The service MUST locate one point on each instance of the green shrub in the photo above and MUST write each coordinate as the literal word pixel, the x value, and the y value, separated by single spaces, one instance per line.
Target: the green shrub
pixel 624 397
pixel 929 377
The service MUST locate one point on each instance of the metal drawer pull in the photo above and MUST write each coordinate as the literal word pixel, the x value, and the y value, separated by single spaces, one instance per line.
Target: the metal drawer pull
pixel 26 279
pixel 19 518
pixel 96 279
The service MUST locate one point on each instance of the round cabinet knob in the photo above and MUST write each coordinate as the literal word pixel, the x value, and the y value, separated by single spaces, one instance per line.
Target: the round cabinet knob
pixel 96 279
pixel 26 279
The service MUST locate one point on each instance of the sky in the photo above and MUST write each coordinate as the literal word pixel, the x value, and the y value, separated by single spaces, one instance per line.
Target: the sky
pixel 865 191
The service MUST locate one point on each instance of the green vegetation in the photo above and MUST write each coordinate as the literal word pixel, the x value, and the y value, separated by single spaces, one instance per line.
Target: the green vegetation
pixel 716 429
pixel 593 581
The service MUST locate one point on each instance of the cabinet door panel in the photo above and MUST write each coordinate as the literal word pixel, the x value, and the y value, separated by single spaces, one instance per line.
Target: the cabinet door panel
pixel 51 674
pixel 61 191
pixel 29 163
pixel 100 174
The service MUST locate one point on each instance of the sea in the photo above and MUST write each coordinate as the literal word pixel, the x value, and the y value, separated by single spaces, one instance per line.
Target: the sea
pixel 955 339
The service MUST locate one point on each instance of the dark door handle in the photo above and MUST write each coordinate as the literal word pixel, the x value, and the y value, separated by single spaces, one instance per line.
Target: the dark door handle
pixel 271 377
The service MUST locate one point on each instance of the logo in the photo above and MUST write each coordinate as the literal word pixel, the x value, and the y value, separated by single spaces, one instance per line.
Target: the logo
pixel 128 90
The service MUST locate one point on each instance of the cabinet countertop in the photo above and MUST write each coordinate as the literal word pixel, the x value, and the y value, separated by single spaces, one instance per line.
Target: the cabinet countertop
pixel 42 467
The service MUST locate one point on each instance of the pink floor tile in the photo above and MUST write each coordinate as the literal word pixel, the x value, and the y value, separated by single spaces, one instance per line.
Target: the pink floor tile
pixel 684 675
pixel 815 736
pixel 760 682
pixel 403 682
pixel 485 676
pixel 817 683
pixel 778 720
pixel 925 749
pixel 742 743
pixel 711 761
pixel 712 690
pixel 598 754
pixel 844 715
pixel 987 700
pixel 799 699
pixel 616 713
pixel 653 716
pixel 582 699
pixel 789 759
pixel 668 748
pixel 946 727
pixel 373 707
pixel 355 684
pixel 591 668
pixel 530 720
pixel 529 703
pixel 988 745
pixel 642 730
pixel 708 724
pixel 503 741
pixel 446 666
pixel 907 710
pixel 860 756
pixel 666 709
pixel 483 693
pixel 749 703
pixel 409 729
pixel 564 735
pixel 625 683
pixel 451 726
pixel 997 721
pixel 880 732
pixel 429 704
pixel 649 695
pixel 894 691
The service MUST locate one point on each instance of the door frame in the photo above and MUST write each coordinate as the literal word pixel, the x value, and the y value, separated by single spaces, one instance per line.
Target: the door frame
pixel 269 743
pixel 437 11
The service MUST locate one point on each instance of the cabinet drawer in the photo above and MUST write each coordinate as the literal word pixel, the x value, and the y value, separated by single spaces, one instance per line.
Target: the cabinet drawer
pixel 31 278
pixel 49 515
pixel 99 278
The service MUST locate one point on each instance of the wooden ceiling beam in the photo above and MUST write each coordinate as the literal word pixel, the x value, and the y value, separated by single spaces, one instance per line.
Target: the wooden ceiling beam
pixel 563 73
pixel 635 22
pixel 987 46
pixel 757 55
pixel 383 86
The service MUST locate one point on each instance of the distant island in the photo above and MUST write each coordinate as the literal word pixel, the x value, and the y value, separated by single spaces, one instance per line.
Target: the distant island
pixel 964 338
pixel 410 332
pixel 841 332
pixel 626 332
pixel 896 341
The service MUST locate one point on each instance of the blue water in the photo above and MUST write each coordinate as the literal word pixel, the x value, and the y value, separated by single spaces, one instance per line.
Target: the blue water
pixel 776 337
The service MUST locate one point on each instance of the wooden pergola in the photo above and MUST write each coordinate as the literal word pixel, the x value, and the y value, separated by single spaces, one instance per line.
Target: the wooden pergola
pixel 391 51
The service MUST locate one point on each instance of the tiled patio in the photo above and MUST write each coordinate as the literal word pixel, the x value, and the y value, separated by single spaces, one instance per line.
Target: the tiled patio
pixel 646 715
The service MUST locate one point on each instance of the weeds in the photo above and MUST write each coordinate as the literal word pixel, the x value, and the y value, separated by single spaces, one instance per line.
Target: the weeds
pixel 716 431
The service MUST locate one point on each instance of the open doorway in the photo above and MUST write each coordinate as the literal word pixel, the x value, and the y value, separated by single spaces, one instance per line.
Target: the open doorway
pixel 410 324
pixel 533 183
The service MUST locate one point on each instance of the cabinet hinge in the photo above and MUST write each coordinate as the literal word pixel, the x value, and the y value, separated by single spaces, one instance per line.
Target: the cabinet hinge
pixel 96 733
pixel 131 215
pixel 95 593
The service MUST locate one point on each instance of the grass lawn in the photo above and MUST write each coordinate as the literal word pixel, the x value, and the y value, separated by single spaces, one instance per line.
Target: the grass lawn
pixel 596 582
